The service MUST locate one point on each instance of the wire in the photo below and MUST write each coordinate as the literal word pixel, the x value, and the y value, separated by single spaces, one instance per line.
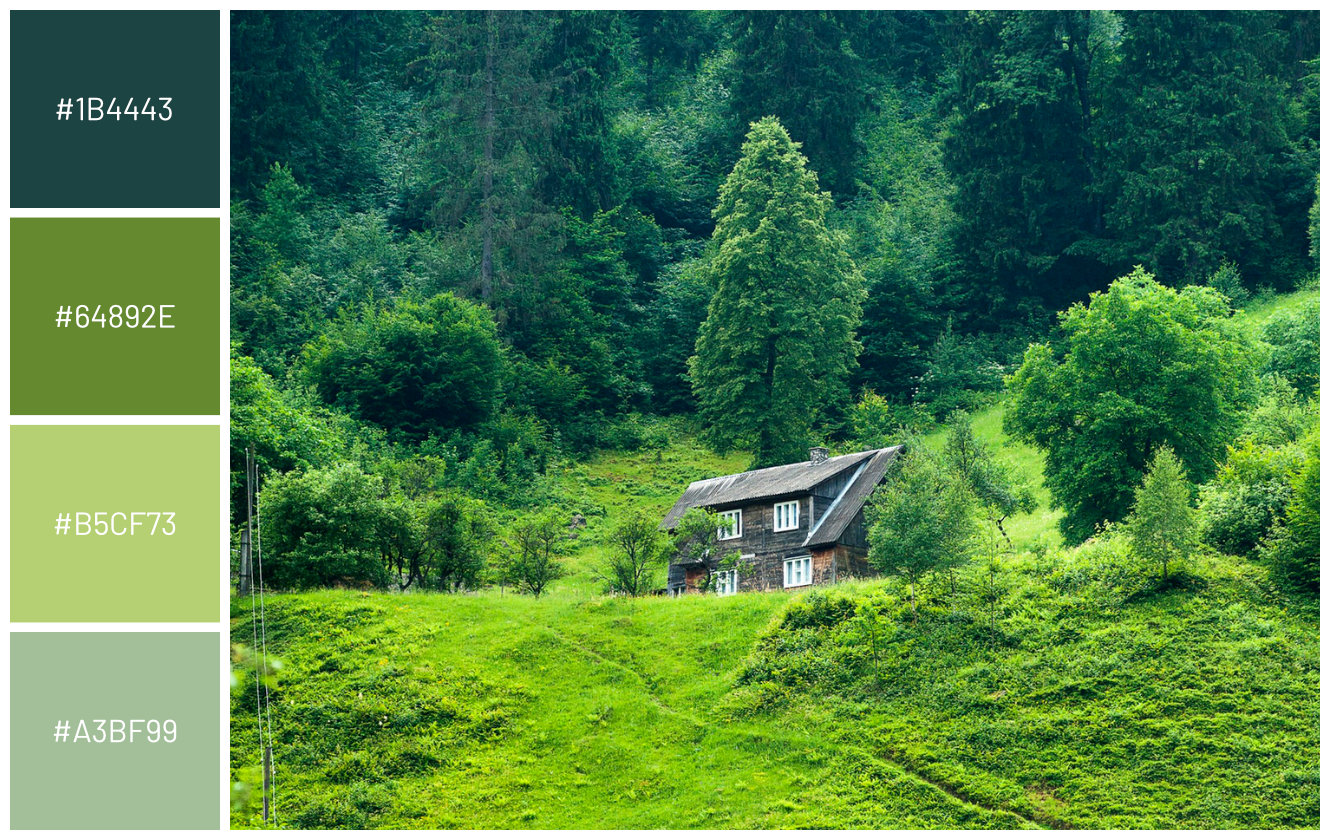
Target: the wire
pixel 263 635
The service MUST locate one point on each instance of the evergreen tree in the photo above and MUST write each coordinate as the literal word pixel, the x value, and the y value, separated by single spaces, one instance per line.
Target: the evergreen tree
pixel 1019 151
pixel 802 67
pixel 1163 523
pixel 1204 160
pixel 777 348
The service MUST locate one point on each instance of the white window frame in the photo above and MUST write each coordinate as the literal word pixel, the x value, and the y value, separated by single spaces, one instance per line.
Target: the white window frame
pixel 727 581
pixel 790 520
pixel 737 528
pixel 803 568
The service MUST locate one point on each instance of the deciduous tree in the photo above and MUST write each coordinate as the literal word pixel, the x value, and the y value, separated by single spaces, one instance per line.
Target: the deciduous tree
pixel 1138 367
pixel 922 520
pixel 636 551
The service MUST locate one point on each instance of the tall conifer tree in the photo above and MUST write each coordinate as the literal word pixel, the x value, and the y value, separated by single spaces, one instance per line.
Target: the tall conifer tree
pixel 777 348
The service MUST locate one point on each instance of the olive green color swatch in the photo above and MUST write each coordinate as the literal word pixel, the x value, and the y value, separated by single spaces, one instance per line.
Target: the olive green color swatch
pixel 71 352
pixel 100 679
pixel 133 562
pixel 62 155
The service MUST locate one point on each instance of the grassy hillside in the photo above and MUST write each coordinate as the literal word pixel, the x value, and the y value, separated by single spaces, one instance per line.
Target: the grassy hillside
pixel 1093 701
pixel 1068 688
pixel 1079 695
pixel 500 711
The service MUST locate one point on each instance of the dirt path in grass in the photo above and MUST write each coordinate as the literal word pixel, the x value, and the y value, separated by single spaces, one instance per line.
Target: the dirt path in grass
pixel 605 660
pixel 1042 821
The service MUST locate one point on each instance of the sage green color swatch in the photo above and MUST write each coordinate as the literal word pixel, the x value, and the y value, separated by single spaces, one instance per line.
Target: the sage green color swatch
pixel 70 677
pixel 103 369
pixel 144 576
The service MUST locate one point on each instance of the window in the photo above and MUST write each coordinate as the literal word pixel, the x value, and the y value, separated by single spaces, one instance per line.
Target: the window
pixel 727 582
pixel 787 516
pixel 731 525
pixel 799 571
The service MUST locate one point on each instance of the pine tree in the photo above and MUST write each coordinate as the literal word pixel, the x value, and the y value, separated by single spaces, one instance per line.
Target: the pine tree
pixel 1203 158
pixel 1019 151
pixel 802 67
pixel 778 346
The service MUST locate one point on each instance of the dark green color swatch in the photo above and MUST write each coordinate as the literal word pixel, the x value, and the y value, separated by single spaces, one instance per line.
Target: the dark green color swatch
pixel 58 56
pixel 146 575
pixel 56 678
pixel 106 369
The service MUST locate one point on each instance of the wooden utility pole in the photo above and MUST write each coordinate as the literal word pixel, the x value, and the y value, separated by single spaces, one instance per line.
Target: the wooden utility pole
pixel 267 782
pixel 246 564
pixel 247 536
pixel 246 584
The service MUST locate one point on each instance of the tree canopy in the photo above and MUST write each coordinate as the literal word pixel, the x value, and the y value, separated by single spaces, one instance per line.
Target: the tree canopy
pixel 416 367
pixel 1138 367
pixel 776 351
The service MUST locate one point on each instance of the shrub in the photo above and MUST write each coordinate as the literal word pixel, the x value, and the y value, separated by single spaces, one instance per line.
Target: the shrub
pixel 1295 342
pixel 323 528
pixel 1236 517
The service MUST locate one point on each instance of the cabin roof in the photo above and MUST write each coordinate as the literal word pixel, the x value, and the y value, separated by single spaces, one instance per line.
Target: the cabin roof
pixel 790 480
pixel 837 517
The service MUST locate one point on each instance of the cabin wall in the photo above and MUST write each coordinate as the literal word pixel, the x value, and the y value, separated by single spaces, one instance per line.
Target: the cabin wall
pixel 856 533
pixel 759 538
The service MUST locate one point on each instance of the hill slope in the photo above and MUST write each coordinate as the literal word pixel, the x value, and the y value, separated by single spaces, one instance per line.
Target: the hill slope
pixel 498 711
pixel 1093 701
pixel 1067 688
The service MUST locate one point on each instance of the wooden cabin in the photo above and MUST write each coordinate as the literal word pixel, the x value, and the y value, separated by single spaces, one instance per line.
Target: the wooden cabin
pixel 794 525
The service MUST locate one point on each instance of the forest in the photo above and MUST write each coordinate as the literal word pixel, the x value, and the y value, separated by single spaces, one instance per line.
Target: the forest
pixel 476 244
pixel 504 283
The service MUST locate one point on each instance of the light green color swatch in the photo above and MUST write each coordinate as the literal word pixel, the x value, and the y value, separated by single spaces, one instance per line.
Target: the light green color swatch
pixel 134 562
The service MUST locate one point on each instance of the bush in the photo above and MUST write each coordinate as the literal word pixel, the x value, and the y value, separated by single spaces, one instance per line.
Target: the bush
pixel 1228 281
pixel 1236 517
pixel 818 609
pixel 416 367
pixel 1282 415
pixel 324 528
pixel 1295 346
pixel 1294 547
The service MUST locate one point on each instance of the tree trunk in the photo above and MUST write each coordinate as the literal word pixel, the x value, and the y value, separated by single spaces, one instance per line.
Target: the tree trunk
pixel 487 169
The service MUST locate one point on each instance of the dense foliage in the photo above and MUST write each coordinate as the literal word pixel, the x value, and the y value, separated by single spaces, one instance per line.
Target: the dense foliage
pixel 561 169
pixel 470 247
pixel 776 350
pixel 1139 367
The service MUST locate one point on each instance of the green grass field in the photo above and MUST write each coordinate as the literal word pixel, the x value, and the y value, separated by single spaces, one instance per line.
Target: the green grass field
pixel 1070 689
pixel 1096 702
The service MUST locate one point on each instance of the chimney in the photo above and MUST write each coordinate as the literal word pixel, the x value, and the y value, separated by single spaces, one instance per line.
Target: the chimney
pixel 817 455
